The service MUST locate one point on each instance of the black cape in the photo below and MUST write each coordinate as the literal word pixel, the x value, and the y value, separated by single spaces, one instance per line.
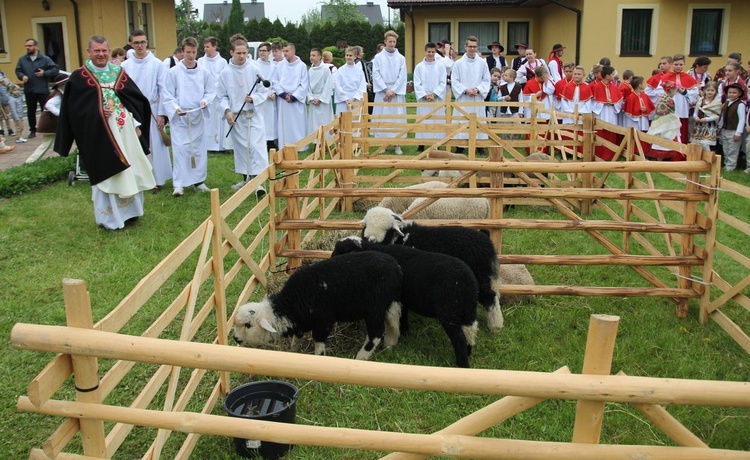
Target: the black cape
pixel 82 120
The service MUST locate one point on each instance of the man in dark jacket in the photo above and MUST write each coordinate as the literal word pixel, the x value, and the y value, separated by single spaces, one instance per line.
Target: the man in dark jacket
pixel 35 70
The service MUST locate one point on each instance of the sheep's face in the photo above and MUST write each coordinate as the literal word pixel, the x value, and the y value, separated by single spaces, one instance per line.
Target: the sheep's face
pixel 378 221
pixel 253 324
pixel 347 245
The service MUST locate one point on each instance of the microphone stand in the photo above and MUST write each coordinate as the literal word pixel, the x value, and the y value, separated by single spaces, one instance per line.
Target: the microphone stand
pixel 257 80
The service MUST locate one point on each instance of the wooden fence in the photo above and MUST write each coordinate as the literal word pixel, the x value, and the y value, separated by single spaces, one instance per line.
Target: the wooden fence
pixel 229 256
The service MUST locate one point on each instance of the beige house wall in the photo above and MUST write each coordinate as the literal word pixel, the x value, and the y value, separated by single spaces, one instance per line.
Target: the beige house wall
pixel 103 17
pixel 600 29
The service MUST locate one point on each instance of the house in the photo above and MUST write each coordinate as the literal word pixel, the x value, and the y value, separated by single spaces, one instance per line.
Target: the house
pixel 632 33
pixel 218 13
pixel 370 10
pixel 63 28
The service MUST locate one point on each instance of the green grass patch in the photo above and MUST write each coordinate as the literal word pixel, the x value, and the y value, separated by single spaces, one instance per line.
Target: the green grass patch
pixel 49 234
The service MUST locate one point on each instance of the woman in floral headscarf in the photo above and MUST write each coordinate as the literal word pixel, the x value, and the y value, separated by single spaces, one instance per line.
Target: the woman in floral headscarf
pixel 666 125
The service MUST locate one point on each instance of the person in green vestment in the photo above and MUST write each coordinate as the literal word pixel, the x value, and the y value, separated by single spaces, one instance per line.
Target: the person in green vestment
pixel 102 110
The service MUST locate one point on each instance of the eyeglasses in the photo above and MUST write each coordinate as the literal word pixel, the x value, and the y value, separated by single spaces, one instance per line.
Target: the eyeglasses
pixel 141 42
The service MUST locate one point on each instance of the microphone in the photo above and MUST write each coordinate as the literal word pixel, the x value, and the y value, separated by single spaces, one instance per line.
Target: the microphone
pixel 260 79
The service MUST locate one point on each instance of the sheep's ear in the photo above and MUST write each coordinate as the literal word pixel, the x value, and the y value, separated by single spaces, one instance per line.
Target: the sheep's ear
pixel 267 326
pixel 397 218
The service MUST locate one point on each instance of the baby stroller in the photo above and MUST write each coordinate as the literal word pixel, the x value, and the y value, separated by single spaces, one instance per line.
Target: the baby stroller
pixel 79 173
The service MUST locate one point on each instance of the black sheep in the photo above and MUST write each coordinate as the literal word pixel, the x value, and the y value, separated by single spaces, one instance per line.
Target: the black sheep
pixel 471 246
pixel 359 286
pixel 434 285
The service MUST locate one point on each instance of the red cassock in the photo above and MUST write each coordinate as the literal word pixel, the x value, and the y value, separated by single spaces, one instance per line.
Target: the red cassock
pixel 560 85
pixel 634 104
pixel 568 92
pixel 655 80
pixel 685 79
pixel 625 89
pixel 609 93
pixel 532 87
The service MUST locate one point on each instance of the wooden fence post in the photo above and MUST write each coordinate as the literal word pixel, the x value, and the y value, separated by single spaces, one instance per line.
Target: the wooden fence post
pixel 217 265
pixel 600 345
pixel 587 178
pixel 291 182
pixel 712 212
pixel 689 217
pixel 85 368
pixel 346 153
pixel 496 204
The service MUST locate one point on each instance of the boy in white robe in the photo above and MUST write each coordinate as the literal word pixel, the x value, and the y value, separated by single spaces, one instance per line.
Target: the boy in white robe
pixel 470 82
pixel 429 86
pixel 189 91
pixel 389 83
pixel 236 98
pixel 319 97
pixel 290 85
pixel 216 127
pixel 349 82
pixel 149 74
pixel 266 66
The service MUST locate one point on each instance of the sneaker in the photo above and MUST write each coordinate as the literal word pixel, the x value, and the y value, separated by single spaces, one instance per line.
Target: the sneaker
pixel 202 187
pixel 32 135
pixel 178 191
pixel 10 133
pixel 21 140
pixel 239 185
pixel 398 150
pixel 260 191
pixel 7 149
pixel 156 189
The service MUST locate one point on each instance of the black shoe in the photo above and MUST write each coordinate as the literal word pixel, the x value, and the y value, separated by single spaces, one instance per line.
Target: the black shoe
pixel 156 190
pixel 2 133
pixel 32 135
pixel 10 132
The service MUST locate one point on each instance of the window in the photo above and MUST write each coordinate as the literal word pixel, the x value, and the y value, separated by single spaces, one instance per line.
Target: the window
pixel 437 31
pixel 140 16
pixel 518 32
pixel 486 32
pixel 705 33
pixel 635 33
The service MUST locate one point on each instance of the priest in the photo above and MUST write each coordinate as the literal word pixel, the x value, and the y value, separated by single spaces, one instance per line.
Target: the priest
pixel 320 95
pixel 429 87
pixel 291 84
pixel 101 110
pixel 216 126
pixel 470 82
pixel 389 84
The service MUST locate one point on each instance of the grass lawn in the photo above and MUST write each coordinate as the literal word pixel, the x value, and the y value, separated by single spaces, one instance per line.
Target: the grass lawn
pixel 49 234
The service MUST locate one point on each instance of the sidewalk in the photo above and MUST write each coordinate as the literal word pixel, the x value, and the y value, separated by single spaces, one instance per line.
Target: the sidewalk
pixel 18 156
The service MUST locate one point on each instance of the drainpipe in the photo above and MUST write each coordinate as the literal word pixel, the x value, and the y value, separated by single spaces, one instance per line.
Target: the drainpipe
pixel 579 14
pixel 78 32
pixel 410 13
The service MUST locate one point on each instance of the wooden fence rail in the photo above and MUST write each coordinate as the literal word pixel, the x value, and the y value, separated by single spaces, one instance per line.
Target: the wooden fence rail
pixel 229 256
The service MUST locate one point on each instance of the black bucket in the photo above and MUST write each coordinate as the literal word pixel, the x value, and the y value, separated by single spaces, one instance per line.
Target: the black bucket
pixel 273 401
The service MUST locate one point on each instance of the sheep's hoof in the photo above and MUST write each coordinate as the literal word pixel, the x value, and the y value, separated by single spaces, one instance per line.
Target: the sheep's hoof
pixel 495 320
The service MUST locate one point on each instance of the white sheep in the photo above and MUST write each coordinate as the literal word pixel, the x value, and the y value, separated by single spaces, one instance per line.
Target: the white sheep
pixel 451 208
pixel 398 204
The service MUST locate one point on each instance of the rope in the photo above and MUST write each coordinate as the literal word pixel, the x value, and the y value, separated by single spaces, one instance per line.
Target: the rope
pixel 693 279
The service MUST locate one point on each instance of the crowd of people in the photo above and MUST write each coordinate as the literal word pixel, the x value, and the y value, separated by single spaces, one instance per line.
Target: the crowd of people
pixel 121 100
pixel 675 102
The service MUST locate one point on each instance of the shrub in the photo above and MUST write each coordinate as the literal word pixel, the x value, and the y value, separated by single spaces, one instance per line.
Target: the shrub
pixel 27 177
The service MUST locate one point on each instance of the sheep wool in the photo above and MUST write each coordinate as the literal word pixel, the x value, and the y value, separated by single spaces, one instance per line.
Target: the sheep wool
pixel 451 208
pixel 473 247
pixel 399 204
pixel 363 286
pixel 434 285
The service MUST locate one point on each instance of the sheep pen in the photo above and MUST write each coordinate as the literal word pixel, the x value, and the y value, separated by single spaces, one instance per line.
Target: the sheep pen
pixel 541 338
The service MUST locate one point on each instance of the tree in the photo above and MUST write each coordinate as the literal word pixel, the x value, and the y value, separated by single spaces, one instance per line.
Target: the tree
pixel 341 11
pixel 236 20
pixel 187 23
